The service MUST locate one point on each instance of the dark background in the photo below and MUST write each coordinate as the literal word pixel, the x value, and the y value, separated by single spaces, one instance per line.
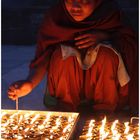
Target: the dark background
pixel 21 18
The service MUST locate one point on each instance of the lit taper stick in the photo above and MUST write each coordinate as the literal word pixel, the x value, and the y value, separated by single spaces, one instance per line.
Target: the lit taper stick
pixel 17 103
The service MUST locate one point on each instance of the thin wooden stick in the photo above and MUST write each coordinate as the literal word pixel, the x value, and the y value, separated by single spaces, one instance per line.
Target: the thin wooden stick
pixel 17 114
pixel 17 103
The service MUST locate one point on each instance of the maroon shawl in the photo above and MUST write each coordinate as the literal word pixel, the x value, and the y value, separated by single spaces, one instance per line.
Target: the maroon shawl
pixel 58 26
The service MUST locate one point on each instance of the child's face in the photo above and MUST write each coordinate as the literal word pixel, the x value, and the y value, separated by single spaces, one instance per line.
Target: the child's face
pixel 79 9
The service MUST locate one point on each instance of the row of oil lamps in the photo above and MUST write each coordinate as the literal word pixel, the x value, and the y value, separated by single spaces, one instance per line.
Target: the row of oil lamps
pixel 112 133
pixel 17 119
pixel 91 131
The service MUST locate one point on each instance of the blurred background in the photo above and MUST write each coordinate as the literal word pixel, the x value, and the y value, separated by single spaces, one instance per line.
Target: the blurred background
pixel 20 24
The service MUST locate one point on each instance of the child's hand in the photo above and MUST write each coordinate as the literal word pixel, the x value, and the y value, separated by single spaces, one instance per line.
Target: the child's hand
pixel 19 89
pixel 89 39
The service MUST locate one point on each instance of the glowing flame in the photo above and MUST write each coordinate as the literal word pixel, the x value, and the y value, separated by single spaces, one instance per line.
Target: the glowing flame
pixel 103 126
pixel 130 137
pixel 66 128
pixel 47 119
pixel 58 123
pixel 34 119
pixel 114 125
pixel 126 127
pixel 26 130
pixel 14 128
pixel 70 119
pixel 51 137
pixel 62 138
pixel 19 137
pixel 89 133
pixel 11 117
pixel 102 132
pixel 41 127
pixel 51 131
pixel 91 124
pixel 114 130
pixel 104 121
pixel 28 115
pixel 104 135
pixel 117 136
pixel 20 119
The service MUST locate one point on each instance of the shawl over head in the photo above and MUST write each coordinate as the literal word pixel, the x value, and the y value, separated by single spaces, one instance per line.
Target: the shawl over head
pixel 58 26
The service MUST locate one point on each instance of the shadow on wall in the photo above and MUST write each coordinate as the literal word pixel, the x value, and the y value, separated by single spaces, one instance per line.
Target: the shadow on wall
pixel 20 21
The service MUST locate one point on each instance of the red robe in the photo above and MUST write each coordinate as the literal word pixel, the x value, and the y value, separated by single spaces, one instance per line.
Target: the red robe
pixel 66 80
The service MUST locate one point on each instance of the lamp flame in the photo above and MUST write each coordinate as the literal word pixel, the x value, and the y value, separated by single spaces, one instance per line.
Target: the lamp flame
pixel 126 124
pixel 130 137
pixel 34 119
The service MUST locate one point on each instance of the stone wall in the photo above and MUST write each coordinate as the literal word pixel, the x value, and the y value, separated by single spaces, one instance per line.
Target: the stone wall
pixel 21 20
